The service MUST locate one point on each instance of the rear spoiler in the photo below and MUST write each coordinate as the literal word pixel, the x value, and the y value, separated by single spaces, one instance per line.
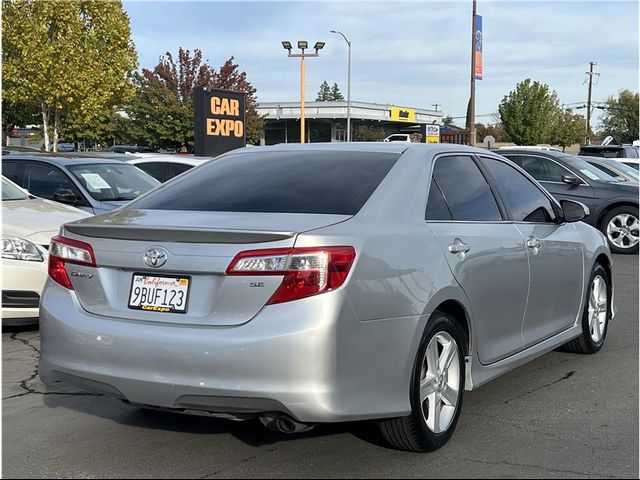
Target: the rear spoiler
pixel 181 235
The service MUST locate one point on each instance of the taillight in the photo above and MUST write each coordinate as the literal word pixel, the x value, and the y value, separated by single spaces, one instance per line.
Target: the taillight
pixel 306 271
pixel 65 250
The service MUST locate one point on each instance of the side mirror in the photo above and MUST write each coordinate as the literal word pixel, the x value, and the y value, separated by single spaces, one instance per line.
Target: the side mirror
pixel 64 195
pixel 571 180
pixel 574 211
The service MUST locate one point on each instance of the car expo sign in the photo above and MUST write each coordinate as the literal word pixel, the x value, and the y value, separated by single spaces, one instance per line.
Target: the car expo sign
pixel 401 114
pixel 219 121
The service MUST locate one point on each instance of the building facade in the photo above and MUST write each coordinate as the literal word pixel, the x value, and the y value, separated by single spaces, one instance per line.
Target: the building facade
pixel 327 121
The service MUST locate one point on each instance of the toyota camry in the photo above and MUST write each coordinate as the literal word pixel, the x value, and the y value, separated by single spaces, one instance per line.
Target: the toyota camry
pixel 302 284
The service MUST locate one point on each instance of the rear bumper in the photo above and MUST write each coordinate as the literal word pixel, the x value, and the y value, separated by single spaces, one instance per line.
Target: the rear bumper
pixel 310 358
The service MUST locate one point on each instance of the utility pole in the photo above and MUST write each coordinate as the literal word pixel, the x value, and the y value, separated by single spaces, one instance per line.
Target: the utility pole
pixel 471 119
pixel 435 105
pixel 591 73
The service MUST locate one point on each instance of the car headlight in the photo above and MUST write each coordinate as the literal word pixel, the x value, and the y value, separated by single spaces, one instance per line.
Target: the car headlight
pixel 15 248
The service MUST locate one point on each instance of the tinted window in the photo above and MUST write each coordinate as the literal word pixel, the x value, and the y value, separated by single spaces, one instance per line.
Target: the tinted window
pixel 289 182
pixel 44 180
pixel 542 169
pixel 437 208
pixel 157 170
pixel 606 170
pixel 631 152
pixel 465 189
pixel 10 170
pixel 524 200
pixel 113 181
pixel 176 169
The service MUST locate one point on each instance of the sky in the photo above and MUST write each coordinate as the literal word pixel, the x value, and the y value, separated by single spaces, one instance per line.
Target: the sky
pixel 405 53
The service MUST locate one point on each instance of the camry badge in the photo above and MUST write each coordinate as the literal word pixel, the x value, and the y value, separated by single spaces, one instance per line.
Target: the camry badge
pixel 155 257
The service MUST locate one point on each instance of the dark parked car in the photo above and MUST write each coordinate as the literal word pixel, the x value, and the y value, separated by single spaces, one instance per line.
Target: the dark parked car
pixel 608 151
pixel 129 149
pixel 96 185
pixel 614 168
pixel 613 204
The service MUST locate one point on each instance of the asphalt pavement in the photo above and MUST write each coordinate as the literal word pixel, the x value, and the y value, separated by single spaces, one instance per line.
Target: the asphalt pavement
pixel 560 416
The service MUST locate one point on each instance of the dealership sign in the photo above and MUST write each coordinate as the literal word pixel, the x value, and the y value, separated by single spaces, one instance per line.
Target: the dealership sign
pixel 477 46
pixel 219 121
pixel 401 114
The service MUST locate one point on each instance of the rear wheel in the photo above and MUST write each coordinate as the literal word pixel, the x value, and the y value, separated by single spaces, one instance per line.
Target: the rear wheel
pixel 436 389
pixel 621 228
pixel 595 319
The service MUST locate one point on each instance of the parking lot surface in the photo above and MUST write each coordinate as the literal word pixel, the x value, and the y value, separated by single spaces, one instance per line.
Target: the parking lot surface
pixel 562 415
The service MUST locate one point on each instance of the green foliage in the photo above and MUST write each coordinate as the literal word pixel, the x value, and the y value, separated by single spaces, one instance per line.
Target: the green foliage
pixel 483 130
pixel 336 94
pixel 17 114
pixel 329 94
pixel 621 117
pixel 568 130
pixel 72 59
pixel 324 95
pixel 447 121
pixel 528 113
pixel 366 133
pixel 161 114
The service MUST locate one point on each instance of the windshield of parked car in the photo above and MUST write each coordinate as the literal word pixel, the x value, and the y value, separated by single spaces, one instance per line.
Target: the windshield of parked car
pixel 113 181
pixel 11 192
pixel 586 169
pixel 322 182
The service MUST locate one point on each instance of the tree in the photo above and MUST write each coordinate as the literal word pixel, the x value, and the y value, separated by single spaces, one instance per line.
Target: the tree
pixel 162 114
pixel 447 121
pixel 621 117
pixel 17 114
pixel 568 130
pixel 527 113
pixel 71 59
pixel 336 94
pixel 329 94
pixel 365 133
pixel 324 95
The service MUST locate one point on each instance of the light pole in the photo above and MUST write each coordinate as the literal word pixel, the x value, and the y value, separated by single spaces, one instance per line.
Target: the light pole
pixel 302 45
pixel 348 86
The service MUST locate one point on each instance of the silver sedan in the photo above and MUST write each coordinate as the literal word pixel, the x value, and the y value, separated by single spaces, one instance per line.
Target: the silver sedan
pixel 325 283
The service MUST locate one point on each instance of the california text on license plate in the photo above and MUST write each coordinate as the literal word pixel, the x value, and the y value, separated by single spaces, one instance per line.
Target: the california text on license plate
pixel 155 293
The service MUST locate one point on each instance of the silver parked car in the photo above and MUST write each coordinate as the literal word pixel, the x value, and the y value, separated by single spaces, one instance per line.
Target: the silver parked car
pixel 325 283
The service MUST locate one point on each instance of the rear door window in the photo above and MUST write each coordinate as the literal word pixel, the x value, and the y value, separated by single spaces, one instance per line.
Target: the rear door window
pixel 157 170
pixel 43 180
pixel 437 208
pixel 542 169
pixel 176 169
pixel 10 170
pixel 322 182
pixel 465 189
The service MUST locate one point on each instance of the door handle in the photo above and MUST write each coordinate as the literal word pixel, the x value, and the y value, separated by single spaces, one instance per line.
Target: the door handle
pixel 534 244
pixel 458 246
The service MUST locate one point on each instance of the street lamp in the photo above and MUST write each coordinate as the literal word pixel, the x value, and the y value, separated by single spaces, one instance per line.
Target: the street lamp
pixel 302 45
pixel 348 86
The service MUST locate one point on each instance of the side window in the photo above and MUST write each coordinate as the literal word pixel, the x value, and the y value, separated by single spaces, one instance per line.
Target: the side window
pixel 176 169
pixel 437 208
pixel 10 170
pixel 465 189
pixel 543 169
pixel 631 152
pixel 43 180
pixel 523 199
pixel 157 170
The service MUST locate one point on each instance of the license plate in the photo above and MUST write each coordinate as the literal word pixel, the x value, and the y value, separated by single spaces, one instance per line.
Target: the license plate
pixel 159 293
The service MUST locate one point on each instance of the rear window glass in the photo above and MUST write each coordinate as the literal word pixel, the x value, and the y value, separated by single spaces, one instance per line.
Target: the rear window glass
pixel 286 182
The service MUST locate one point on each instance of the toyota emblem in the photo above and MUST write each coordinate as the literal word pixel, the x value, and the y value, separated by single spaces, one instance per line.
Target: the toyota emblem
pixel 155 257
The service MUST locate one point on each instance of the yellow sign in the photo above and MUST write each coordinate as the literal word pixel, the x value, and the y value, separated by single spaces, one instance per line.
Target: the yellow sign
pixel 401 114
pixel 433 134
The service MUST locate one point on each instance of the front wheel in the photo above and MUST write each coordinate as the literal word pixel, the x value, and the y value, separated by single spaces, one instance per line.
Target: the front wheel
pixel 436 389
pixel 621 227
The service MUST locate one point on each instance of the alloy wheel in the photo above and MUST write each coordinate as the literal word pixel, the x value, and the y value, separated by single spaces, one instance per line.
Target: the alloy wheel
pixel 623 231
pixel 598 305
pixel 440 382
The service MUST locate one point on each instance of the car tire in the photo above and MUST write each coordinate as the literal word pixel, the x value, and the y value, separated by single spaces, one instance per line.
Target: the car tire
pixel 596 314
pixel 430 424
pixel 620 226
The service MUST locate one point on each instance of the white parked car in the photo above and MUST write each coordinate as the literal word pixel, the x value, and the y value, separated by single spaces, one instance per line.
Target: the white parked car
pixel 28 223
pixel 548 148
pixel 164 167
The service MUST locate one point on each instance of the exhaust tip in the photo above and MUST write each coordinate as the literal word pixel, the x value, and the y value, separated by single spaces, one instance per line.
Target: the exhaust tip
pixel 282 423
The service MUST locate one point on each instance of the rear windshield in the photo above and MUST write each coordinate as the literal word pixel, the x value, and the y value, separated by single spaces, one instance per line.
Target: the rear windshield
pixel 285 182
pixel 602 152
pixel 11 192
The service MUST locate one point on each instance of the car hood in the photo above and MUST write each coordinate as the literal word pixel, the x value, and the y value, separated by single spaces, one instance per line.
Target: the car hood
pixel 36 218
